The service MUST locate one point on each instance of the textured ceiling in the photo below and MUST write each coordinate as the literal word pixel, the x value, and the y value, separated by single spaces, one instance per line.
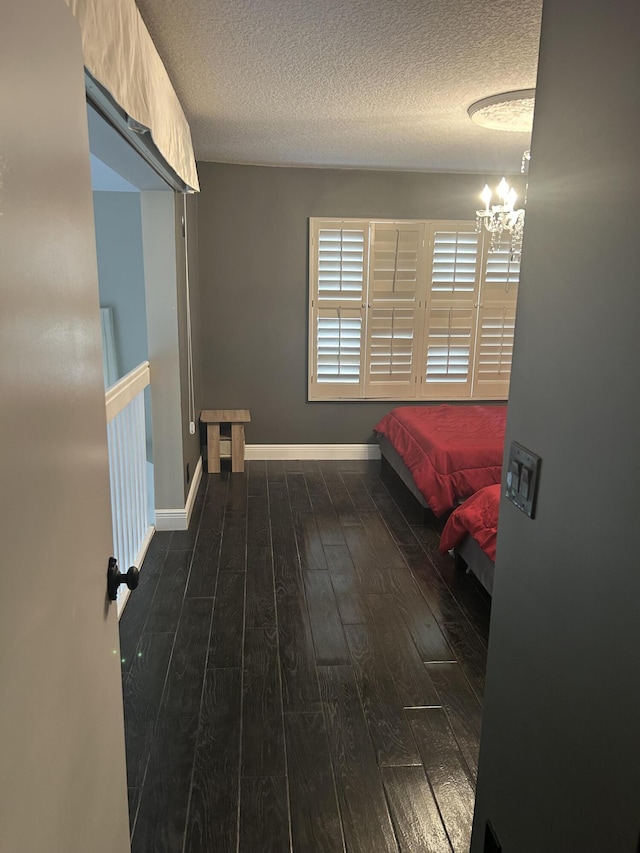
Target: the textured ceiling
pixel 355 83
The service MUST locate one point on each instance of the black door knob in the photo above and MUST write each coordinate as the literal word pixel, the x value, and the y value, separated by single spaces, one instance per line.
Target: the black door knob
pixel 115 578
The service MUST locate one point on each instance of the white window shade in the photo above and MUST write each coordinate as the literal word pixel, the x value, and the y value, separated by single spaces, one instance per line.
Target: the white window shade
pixel 120 55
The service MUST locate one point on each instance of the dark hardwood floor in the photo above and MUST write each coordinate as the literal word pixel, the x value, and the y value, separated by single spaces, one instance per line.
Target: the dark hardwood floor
pixel 303 671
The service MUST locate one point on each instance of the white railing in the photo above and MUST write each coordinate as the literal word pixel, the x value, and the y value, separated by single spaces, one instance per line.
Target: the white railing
pixel 126 429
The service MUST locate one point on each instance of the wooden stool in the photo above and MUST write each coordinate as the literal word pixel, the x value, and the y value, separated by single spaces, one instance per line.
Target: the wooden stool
pixel 213 418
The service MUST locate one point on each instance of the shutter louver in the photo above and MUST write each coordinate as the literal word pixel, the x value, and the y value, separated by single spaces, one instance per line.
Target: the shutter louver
pixel 391 342
pixel 455 262
pixel 496 328
pixel 339 333
pixel 501 276
pixel 394 265
pixel 451 315
pixel 396 285
pixel 341 262
pixel 496 325
pixel 338 275
pixel 449 345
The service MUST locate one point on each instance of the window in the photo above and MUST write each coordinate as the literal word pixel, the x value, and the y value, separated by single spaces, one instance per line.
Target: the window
pixel 405 310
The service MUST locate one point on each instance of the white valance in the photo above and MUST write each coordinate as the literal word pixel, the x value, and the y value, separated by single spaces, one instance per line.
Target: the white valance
pixel 120 55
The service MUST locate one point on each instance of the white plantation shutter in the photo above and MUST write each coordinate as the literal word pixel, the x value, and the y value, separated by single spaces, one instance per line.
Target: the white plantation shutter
pixel 339 346
pixel 396 260
pixel 341 258
pixel 451 311
pixel 390 351
pixel 449 345
pixel 496 325
pixel 401 309
pixel 396 293
pixel 338 275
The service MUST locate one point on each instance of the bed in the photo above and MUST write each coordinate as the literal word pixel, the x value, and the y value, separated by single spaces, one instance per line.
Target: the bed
pixel 471 532
pixel 444 453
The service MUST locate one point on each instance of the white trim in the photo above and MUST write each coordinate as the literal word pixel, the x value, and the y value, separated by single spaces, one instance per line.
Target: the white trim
pixel 312 451
pixel 171 519
pixel 192 398
pixel 193 491
pixel 125 592
pixel 178 519
pixel 126 390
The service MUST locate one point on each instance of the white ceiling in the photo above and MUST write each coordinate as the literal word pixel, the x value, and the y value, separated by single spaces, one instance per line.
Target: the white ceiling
pixel 381 84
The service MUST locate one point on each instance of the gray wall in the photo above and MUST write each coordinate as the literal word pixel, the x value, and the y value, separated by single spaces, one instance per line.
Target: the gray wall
pixel 253 225
pixel 121 272
pixel 560 754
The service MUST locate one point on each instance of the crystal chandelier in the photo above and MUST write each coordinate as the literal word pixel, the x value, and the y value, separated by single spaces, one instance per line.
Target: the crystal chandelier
pixel 503 221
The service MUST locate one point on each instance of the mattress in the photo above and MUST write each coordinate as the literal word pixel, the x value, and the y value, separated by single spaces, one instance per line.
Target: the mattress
pixel 450 451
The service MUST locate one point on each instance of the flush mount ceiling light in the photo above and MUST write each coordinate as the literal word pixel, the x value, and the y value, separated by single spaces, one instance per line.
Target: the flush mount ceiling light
pixel 510 111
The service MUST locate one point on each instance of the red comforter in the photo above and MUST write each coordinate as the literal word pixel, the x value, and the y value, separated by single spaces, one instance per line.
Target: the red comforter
pixel 478 517
pixel 451 451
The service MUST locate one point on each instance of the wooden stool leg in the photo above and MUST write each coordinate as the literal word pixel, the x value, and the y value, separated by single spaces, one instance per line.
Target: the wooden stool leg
pixel 213 448
pixel 237 447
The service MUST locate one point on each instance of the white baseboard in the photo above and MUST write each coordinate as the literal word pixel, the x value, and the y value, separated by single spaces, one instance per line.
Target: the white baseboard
pixel 124 591
pixel 178 519
pixel 312 451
